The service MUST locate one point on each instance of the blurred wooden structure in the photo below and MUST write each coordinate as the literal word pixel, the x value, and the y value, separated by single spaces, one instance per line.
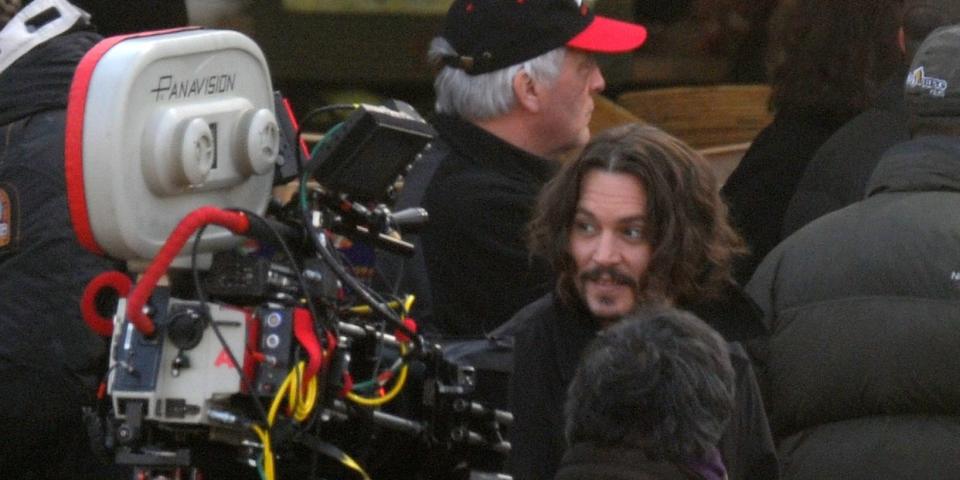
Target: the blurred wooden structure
pixel 704 116
pixel 320 42
pixel 720 121
pixel 724 159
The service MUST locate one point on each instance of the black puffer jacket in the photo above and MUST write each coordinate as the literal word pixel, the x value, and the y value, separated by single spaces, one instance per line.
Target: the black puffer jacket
pixel 863 306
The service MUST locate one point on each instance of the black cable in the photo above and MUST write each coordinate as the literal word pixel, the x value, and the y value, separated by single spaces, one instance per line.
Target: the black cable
pixel 308 117
pixel 345 260
pixel 327 256
pixel 332 326
pixel 202 298
pixel 355 284
pixel 379 351
pixel 329 324
pixel 324 109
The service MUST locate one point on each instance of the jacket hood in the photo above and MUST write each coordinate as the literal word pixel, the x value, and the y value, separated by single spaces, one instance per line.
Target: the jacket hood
pixel 928 163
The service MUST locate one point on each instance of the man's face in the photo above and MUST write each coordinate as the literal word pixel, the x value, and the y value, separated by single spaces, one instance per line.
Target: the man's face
pixel 609 244
pixel 568 104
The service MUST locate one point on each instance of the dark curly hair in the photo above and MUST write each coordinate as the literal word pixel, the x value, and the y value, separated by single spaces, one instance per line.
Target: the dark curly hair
pixel 8 8
pixel 659 380
pixel 829 57
pixel 693 242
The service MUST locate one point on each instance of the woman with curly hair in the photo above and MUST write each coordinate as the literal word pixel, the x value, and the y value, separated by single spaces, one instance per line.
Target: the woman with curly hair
pixel 828 60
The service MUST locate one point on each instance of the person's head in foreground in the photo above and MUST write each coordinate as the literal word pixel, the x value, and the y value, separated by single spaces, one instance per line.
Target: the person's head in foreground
pixel 659 381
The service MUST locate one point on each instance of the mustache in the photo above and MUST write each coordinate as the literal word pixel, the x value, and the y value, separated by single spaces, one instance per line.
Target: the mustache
pixel 598 273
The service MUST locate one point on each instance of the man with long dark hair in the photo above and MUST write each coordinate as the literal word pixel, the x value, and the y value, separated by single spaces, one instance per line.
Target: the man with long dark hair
pixel 636 220
pixel 828 59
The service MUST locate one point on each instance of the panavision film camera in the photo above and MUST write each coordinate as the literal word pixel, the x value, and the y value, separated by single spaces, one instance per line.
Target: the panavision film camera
pixel 246 345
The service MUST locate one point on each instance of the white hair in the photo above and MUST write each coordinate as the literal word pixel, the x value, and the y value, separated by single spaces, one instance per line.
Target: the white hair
pixel 487 95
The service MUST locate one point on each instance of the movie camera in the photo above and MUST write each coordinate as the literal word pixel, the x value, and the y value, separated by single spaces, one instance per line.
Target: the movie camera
pixel 246 331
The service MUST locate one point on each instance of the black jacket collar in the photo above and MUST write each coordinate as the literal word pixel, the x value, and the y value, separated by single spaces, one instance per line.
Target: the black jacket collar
pixel 588 460
pixel 488 150
pixel 736 317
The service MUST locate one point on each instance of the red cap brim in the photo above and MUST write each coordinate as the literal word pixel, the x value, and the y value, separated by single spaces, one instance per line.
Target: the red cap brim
pixel 606 35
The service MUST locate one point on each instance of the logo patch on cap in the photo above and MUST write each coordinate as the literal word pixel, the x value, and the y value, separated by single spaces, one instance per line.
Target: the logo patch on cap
pixel 918 79
pixel 8 218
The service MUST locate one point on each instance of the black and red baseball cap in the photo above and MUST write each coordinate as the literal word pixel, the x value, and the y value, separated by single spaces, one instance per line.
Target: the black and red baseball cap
pixel 492 34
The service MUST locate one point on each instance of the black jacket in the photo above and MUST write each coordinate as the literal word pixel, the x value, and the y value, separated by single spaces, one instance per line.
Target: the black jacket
pixel 43 269
pixel 50 362
pixel 585 461
pixel 863 306
pixel 837 174
pixel 760 188
pixel 480 200
pixel 551 337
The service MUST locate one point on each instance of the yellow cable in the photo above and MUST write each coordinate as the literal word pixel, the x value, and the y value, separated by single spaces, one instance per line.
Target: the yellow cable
pixel 303 401
pixel 408 304
pixel 353 465
pixel 278 399
pixel 264 435
pixel 366 310
pixel 300 403
pixel 376 402
pixel 293 388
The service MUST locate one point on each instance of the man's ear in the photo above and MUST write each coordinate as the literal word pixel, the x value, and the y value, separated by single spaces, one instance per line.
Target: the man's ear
pixel 527 92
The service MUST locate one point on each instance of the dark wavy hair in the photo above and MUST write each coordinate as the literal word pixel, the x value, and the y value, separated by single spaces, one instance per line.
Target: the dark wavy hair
pixel 693 242
pixel 830 57
pixel 8 8
pixel 659 380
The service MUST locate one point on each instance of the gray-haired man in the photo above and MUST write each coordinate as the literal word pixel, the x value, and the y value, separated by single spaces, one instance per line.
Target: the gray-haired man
pixel 513 95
